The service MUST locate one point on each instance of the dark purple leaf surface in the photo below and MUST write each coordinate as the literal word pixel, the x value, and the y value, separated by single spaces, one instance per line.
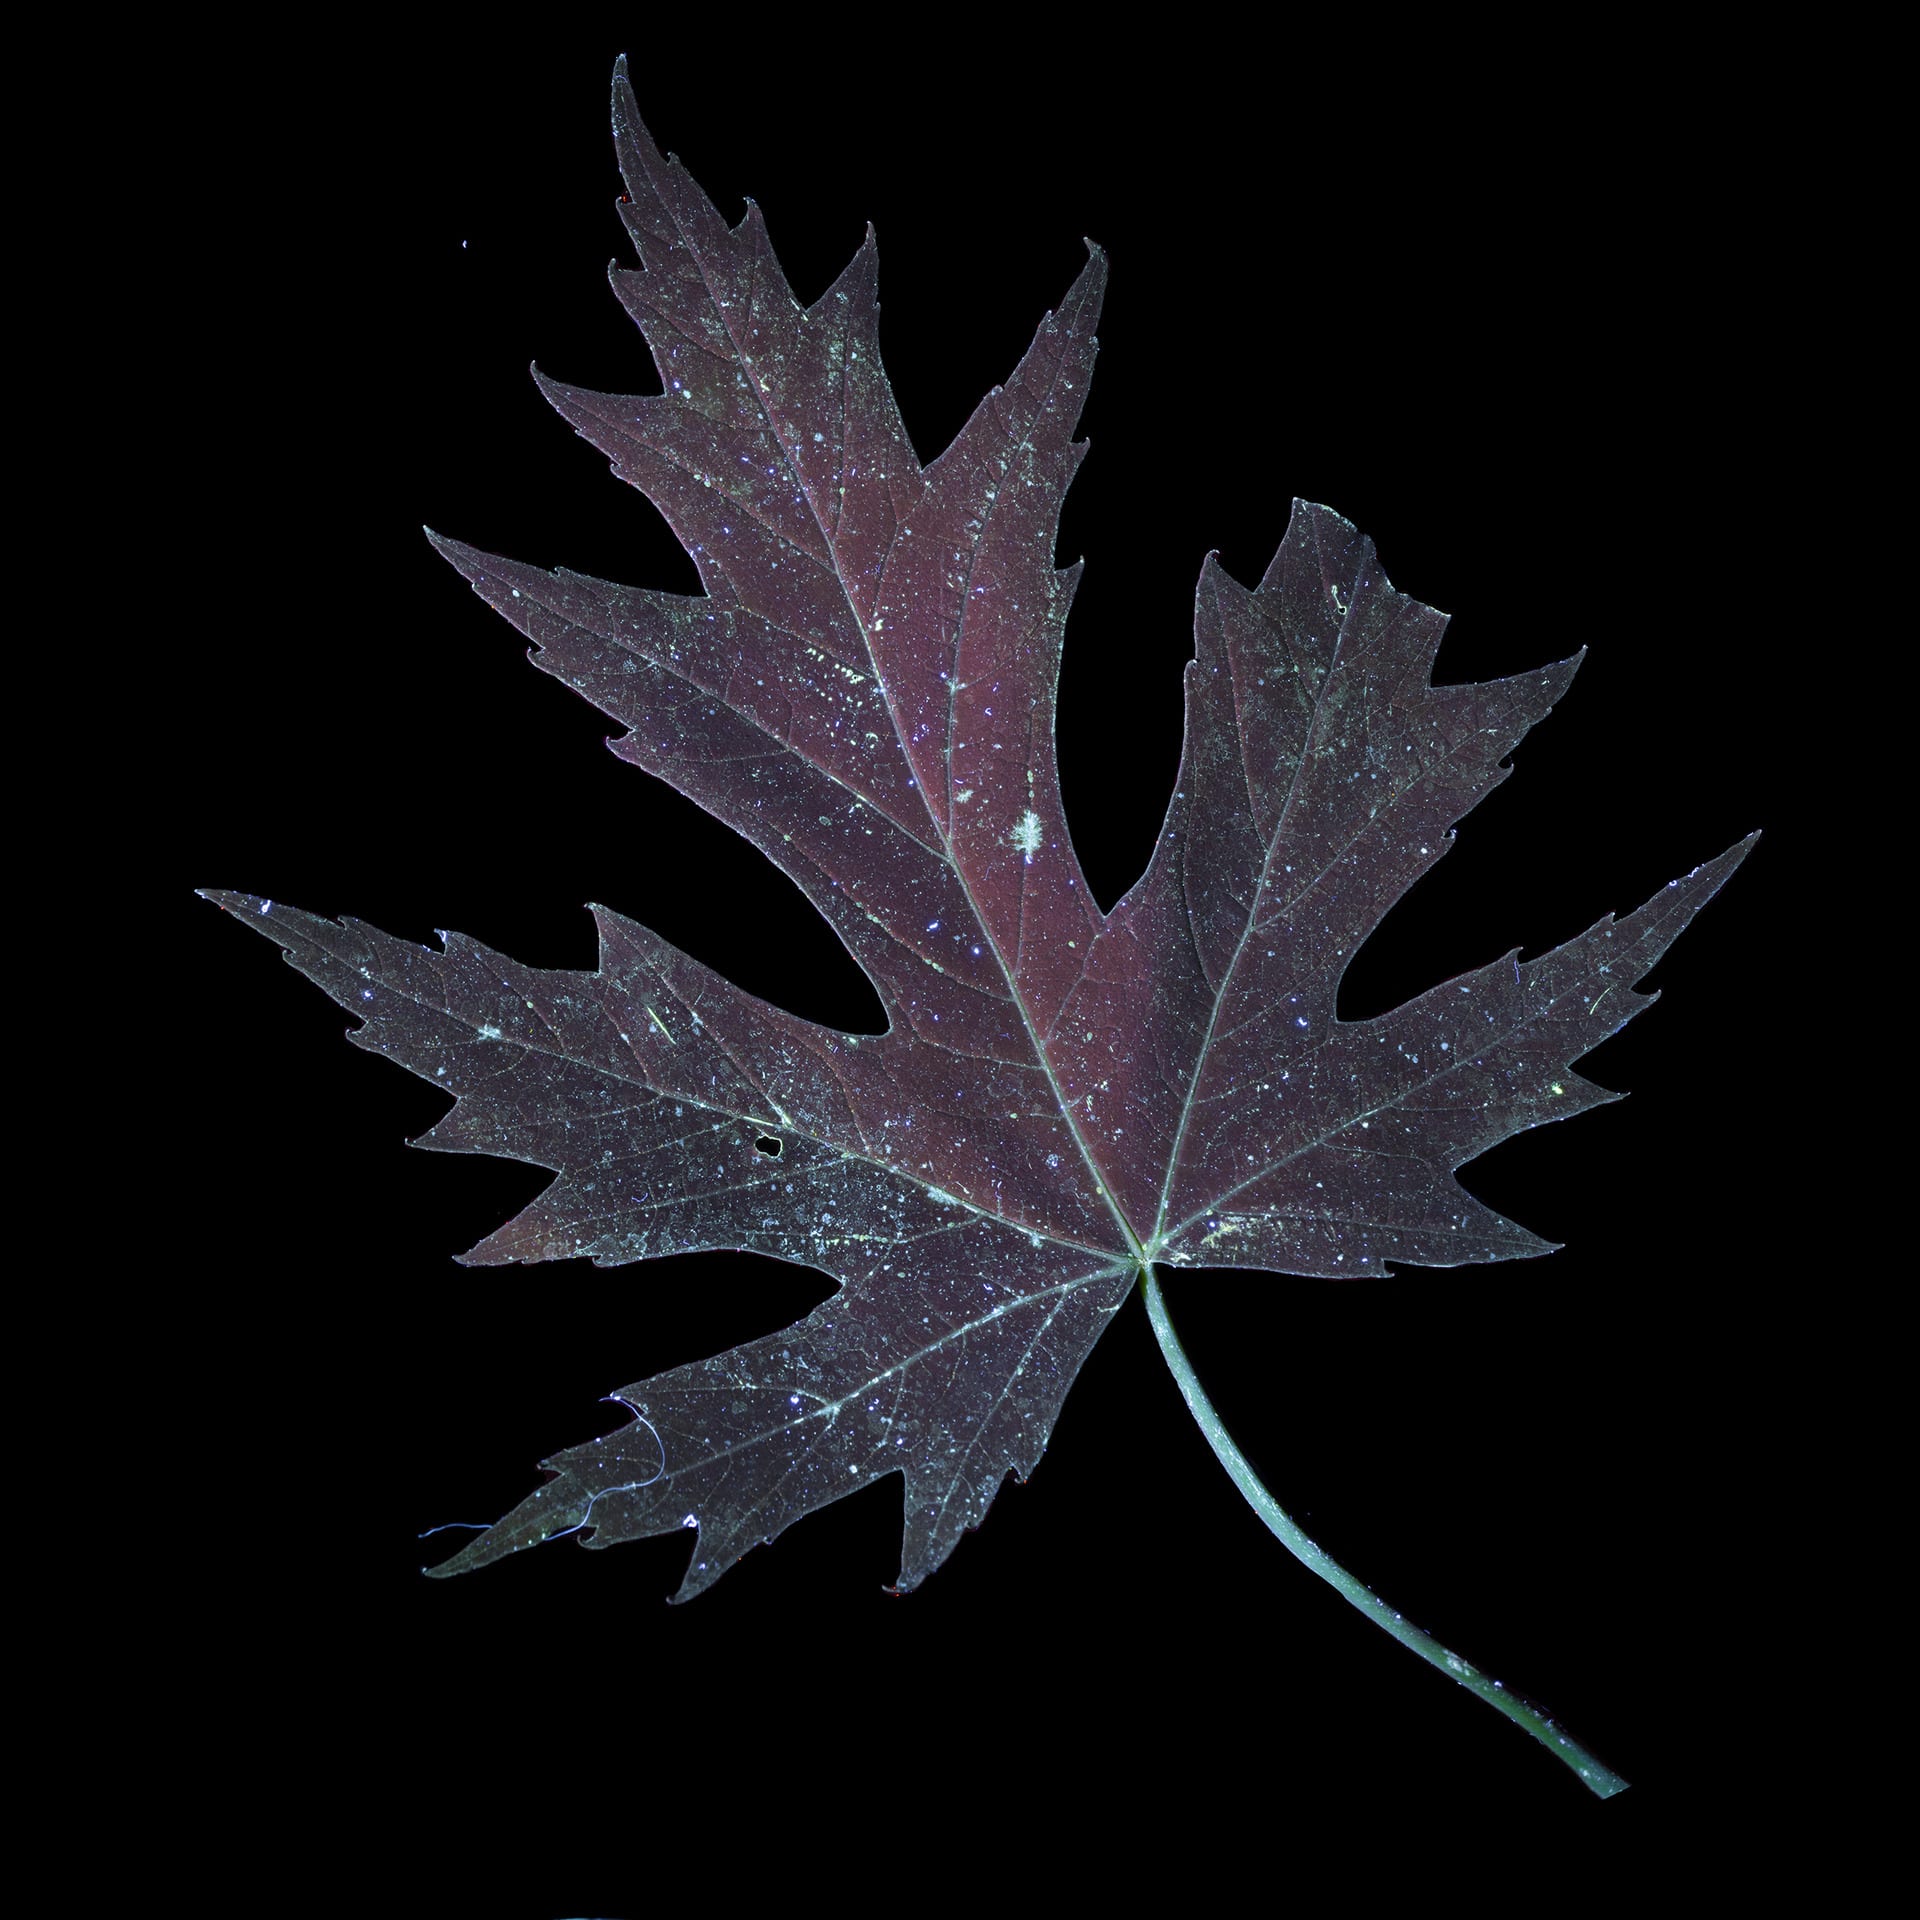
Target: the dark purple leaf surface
pixel 864 689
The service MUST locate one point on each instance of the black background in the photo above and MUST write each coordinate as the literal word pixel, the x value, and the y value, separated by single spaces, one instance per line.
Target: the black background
pixel 1515 339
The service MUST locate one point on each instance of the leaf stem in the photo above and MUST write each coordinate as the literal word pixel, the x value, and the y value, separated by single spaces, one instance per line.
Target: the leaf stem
pixel 1601 1779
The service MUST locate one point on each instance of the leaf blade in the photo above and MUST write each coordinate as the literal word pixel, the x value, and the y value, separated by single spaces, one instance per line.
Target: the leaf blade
pixel 865 690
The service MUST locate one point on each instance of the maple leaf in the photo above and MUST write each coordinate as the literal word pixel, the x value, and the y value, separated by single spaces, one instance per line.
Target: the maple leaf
pixel 1062 1098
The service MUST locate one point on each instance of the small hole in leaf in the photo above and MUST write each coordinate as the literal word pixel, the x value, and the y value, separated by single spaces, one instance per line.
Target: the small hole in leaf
pixel 769 1146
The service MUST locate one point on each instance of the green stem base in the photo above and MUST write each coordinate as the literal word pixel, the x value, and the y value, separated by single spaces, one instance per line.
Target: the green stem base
pixel 1603 1780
